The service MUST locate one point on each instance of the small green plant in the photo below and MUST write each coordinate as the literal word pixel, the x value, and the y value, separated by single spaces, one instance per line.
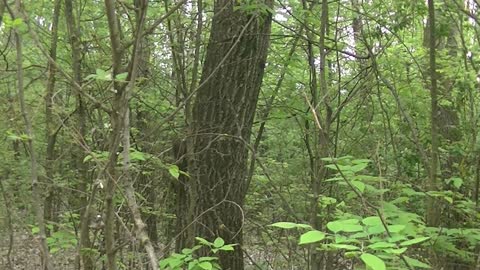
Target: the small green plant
pixel 60 240
pixel 188 260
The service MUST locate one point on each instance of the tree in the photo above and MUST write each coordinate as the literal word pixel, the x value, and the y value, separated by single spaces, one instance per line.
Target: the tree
pixel 223 115
pixel 208 134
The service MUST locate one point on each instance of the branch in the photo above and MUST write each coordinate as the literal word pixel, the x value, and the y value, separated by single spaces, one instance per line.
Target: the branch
pixel 79 89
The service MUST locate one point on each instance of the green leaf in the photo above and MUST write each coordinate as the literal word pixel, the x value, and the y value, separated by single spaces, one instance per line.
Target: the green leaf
pixel 396 228
pixel 331 166
pixel 395 251
pixel 311 237
pixel 334 226
pixel 352 228
pixel 414 241
pixel 448 199
pixel 290 225
pixel 359 167
pixel 373 261
pixel 51 240
pixel 174 171
pixel 457 182
pixel 137 155
pixel 358 235
pixel 343 246
pixel 203 241
pixel 359 185
pixel 91 76
pixel 175 262
pixel 219 242
pixel 344 225
pixel 227 247
pixel 17 22
pixel 304 226
pixel 103 75
pixel 187 251
pixel 360 161
pixel 206 265
pixel 284 225
pixel 164 263
pixel 87 158
pixel 381 245
pixel 376 229
pixel 416 263
pixel 396 238
pixel 121 76
pixel 350 221
pixel 372 221
pixel 324 200
pixel 13 137
pixel 207 259
pixel 35 230
pixel 352 254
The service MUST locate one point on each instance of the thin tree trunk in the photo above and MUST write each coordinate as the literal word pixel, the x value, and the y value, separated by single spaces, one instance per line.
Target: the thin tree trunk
pixel 3 4
pixel 37 198
pixel 477 178
pixel 147 184
pixel 320 144
pixel 432 214
pixel 51 135
pixel 8 210
pixel 86 261
pixel 140 226
pixel 120 133
pixel 119 105
pixel 184 149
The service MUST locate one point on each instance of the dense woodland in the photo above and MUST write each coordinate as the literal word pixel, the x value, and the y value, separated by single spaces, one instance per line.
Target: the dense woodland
pixel 239 134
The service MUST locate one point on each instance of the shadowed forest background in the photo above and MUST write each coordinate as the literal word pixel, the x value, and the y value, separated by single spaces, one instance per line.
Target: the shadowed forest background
pixel 239 134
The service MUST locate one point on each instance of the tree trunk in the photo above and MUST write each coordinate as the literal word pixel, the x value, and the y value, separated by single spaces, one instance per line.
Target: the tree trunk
pixel 223 115
pixel 2 10
pixel 51 135
pixel 37 191
pixel 432 214
pixel 82 202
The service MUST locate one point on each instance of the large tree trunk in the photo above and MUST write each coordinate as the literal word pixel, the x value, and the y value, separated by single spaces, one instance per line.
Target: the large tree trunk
pixel 223 114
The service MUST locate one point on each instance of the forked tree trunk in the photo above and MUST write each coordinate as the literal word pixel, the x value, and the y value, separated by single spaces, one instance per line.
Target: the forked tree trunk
pixel 223 114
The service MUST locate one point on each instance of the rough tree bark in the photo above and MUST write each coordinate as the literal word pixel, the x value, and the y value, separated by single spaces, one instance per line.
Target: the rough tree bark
pixel 223 115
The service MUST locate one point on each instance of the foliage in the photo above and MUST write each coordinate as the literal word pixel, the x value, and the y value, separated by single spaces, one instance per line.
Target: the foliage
pixel 188 260
pixel 385 239
pixel 339 169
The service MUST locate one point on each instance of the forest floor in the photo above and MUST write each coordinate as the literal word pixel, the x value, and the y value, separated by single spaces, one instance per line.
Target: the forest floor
pixel 25 254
